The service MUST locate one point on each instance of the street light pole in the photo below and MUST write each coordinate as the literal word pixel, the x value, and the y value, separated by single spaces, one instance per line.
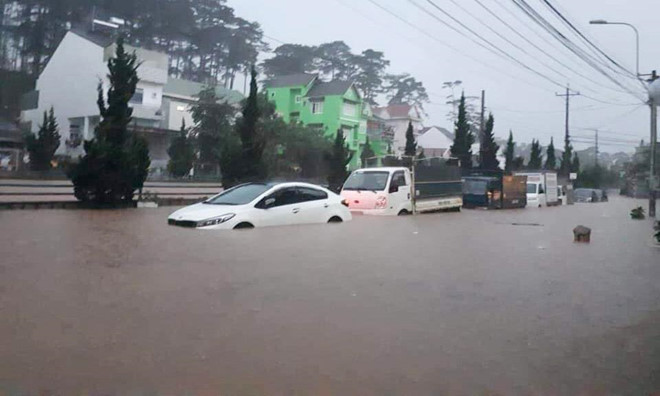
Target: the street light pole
pixel 604 22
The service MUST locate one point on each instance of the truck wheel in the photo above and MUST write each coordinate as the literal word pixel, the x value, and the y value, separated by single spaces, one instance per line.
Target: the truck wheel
pixel 403 212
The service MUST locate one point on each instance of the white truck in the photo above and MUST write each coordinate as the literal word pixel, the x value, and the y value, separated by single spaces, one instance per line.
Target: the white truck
pixel 394 190
pixel 541 189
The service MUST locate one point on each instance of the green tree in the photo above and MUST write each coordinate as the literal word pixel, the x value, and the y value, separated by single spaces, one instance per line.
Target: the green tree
pixel 338 160
pixel 551 160
pixel 488 149
pixel 213 134
pixel 509 153
pixel 575 164
pixel 403 88
pixel 370 68
pixel 334 60
pixel 290 59
pixel 42 147
pixel 115 162
pixel 411 146
pixel 367 153
pixel 463 137
pixel 536 156
pixel 181 152
pixel 253 142
pixel 518 163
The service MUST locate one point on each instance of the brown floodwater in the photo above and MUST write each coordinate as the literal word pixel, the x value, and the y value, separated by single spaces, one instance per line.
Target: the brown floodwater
pixel 117 302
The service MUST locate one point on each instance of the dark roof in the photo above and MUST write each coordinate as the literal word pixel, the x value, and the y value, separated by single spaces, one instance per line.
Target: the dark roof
pixel 291 80
pixel 98 38
pixel 336 87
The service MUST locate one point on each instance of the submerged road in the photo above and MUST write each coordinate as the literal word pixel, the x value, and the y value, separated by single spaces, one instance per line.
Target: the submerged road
pixel 478 302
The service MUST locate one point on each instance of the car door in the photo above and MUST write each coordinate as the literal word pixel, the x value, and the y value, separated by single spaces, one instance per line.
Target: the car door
pixel 280 207
pixel 314 206
pixel 398 196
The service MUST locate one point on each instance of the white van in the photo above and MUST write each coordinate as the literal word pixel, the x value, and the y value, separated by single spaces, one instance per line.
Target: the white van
pixel 541 189
pixel 379 191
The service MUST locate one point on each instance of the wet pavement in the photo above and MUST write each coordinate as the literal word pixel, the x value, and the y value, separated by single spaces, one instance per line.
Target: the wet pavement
pixel 114 302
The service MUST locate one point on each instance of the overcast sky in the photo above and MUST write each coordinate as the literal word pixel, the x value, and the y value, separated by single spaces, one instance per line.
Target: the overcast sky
pixel 519 99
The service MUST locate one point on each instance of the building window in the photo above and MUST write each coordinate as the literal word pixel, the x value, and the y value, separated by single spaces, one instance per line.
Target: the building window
pixel 317 107
pixel 350 109
pixel 272 94
pixel 154 95
pixel 181 108
pixel 137 97
pixel 298 99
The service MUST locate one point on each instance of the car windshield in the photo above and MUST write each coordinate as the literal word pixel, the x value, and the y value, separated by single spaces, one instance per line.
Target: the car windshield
pixel 375 181
pixel 531 188
pixel 239 195
pixel 477 187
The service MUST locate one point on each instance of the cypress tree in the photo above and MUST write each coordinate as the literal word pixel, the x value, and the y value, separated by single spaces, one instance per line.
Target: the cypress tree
pixel 463 137
pixel 338 159
pixel 535 158
pixel 488 158
pixel 42 147
pixel 115 163
pixel 252 143
pixel 181 153
pixel 367 153
pixel 411 145
pixel 509 153
pixel 551 160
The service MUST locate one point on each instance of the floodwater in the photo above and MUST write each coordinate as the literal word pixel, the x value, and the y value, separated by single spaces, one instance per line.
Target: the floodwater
pixel 117 302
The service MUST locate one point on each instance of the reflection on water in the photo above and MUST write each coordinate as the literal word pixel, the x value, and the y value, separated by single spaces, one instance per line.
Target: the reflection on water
pixel 453 302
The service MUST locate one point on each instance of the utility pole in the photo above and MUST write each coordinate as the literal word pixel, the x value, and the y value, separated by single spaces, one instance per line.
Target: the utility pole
pixel 596 159
pixel 482 127
pixel 567 141
pixel 654 142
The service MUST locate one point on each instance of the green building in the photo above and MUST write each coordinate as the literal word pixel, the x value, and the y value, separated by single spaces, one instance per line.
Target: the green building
pixel 326 105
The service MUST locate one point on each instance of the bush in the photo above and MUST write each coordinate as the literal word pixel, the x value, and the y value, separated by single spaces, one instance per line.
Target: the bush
pixel 637 213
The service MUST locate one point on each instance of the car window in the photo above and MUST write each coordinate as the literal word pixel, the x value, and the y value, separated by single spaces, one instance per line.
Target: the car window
pixel 541 191
pixel 239 195
pixel 285 196
pixel 399 178
pixel 311 194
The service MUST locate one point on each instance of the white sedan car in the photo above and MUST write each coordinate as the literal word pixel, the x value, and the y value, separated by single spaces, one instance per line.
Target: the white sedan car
pixel 264 204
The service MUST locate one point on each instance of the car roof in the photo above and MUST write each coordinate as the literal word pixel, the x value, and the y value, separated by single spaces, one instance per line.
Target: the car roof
pixel 291 184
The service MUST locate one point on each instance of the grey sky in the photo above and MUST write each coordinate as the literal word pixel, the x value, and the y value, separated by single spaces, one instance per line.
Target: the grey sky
pixel 519 99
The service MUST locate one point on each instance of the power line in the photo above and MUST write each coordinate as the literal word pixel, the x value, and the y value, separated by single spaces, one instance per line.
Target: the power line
pixel 566 42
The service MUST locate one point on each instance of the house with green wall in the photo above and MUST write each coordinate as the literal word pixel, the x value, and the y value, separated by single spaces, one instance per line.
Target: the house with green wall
pixel 326 105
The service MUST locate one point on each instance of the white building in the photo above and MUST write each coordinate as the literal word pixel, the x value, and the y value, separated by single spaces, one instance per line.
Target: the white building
pixel 398 116
pixel 69 84
pixel 436 141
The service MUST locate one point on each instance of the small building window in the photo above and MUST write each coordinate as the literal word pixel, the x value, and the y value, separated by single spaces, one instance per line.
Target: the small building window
pixel 138 96
pixel 298 98
pixel 317 107
pixel 272 94
pixel 350 109
pixel 181 108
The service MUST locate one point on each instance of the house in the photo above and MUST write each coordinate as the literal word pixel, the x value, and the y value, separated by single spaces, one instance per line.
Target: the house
pixel 326 105
pixel 397 117
pixel 69 84
pixel 436 141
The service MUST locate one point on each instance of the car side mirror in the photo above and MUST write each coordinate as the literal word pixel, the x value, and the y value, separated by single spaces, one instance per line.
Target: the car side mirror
pixel 394 188
pixel 269 202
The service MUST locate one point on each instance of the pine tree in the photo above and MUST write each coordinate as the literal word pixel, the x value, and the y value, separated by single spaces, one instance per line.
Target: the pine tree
pixel 252 142
pixel 367 153
pixel 575 164
pixel 509 153
pixel 411 145
pixel 42 147
pixel 338 159
pixel 181 153
pixel 488 158
pixel 536 156
pixel 463 137
pixel 115 163
pixel 551 160
pixel 518 163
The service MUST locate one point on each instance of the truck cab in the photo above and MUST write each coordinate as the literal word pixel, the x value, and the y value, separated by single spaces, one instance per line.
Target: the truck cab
pixel 379 191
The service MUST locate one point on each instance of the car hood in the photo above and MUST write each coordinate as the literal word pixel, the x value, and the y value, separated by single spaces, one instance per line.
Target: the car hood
pixel 202 211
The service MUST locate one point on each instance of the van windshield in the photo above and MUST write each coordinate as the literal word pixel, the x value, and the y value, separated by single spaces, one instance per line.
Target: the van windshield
pixel 476 187
pixel 374 181
pixel 531 188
